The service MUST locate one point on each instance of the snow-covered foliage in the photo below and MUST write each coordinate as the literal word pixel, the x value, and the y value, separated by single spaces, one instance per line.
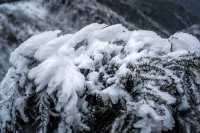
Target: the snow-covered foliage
pixel 102 79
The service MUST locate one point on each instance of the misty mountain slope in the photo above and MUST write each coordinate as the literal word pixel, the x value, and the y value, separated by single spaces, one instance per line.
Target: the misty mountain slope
pixel 163 16
pixel 102 79
pixel 18 21
pixel 192 5
pixel 79 13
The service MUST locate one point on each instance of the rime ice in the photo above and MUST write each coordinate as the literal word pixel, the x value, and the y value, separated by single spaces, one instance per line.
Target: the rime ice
pixel 137 73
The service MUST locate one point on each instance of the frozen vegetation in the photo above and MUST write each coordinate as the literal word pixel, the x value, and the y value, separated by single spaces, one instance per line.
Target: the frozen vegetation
pixel 20 19
pixel 103 79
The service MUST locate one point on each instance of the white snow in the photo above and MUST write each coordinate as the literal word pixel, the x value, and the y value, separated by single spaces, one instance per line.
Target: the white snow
pixel 114 92
pixel 184 41
pixel 60 61
pixel 114 32
pixel 51 47
pixel 151 120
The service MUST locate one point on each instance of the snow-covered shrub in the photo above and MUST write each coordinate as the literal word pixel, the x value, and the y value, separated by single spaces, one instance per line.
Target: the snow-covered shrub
pixel 102 79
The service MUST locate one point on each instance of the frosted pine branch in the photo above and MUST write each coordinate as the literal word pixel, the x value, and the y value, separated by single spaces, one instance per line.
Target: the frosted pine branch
pixel 103 79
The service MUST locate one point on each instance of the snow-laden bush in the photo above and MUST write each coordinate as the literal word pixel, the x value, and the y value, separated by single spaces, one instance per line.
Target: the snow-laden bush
pixel 103 79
